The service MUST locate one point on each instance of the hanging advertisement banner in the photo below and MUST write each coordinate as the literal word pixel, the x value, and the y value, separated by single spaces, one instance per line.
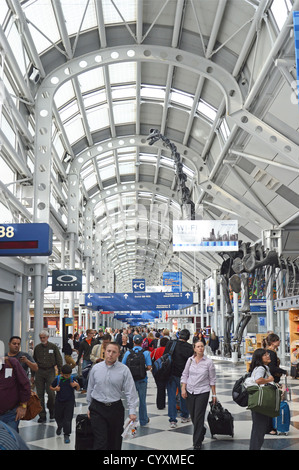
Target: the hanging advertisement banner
pixel 174 280
pixel 67 280
pixel 205 235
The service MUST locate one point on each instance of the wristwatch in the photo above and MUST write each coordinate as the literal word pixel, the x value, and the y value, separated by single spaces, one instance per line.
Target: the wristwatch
pixel 23 405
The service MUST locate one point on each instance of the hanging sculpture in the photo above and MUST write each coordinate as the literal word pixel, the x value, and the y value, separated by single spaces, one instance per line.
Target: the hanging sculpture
pixel 182 177
pixel 235 271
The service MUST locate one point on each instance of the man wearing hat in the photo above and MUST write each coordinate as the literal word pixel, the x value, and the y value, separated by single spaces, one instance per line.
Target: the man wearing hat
pixel 145 362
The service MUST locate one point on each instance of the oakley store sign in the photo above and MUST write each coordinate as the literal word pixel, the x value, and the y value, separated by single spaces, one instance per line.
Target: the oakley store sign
pixel 67 280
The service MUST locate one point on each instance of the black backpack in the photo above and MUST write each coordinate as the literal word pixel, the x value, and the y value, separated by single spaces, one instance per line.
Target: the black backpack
pixel 239 392
pixel 136 363
pixel 162 367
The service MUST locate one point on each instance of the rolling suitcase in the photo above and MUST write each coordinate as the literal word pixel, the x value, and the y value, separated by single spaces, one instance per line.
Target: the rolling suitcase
pixel 220 420
pixel 282 422
pixel 84 436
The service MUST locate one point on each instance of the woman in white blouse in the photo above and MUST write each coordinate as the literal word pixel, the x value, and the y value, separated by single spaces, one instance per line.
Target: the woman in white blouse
pixel 198 379
pixel 260 374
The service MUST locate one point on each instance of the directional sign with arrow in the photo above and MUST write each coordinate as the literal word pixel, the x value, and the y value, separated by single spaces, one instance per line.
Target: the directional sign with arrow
pixel 142 301
pixel 138 285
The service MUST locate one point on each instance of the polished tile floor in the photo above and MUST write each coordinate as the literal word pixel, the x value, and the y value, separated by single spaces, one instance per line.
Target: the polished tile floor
pixel 158 436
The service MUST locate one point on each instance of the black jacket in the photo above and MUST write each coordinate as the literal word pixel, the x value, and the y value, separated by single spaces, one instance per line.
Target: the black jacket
pixel 85 349
pixel 181 354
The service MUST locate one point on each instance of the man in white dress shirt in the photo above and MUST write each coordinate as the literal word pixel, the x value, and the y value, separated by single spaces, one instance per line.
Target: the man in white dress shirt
pixel 108 382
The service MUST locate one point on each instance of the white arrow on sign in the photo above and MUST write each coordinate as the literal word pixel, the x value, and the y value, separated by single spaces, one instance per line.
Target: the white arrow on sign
pixel 187 295
pixel 125 296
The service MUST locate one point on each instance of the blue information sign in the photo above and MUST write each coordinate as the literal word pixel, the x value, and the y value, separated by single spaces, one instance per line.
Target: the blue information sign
pixel 138 285
pixel 142 301
pixel 25 239
pixel 173 279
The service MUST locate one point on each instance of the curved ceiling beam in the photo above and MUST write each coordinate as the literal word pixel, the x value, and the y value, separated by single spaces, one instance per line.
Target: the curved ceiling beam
pixel 145 53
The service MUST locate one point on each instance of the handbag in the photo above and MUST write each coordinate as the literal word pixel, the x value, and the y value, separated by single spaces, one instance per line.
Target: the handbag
pixel 264 399
pixel 33 407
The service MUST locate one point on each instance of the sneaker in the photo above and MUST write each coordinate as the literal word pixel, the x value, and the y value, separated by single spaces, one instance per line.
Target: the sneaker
pixel 173 424
pixel 185 420
pixel 67 439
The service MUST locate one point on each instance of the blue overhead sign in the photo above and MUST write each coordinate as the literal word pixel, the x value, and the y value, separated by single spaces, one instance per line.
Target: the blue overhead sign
pixel 139 301
pixel 138 285
pixel 173 279
pixel 25 239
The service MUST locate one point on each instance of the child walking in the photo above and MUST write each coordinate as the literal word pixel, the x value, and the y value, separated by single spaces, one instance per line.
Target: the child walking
pixel 65 387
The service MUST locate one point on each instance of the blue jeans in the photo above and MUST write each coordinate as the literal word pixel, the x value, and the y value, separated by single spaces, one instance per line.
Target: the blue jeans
pixel 10 418
pixel 172 385
pixel 141 386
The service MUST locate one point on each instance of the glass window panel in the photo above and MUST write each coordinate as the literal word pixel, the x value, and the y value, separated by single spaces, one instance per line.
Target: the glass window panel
pixel 59 146
pixel 98 118
pixel 8 131
pixel 122 73
pixel 107 172
pixel 64 94
pixel 73 12
pixel 181 98
pixel 45 21
pixel 123 92
pixel 91 80
pixel 280 10
pixel 7 174
pixel 15 42
pixel 90 181
pixel 206 110
pixel 127 9
pixel 124 112
pixel 5 214
pixel 69 111
pixel 153 93
pixel 3 12
pixel 92 99
pixel 126 168
pixel 74 129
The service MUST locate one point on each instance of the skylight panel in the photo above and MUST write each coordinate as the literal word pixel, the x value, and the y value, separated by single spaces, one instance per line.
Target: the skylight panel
pixel 96 98
pixel 44 28
pixel 68 111
pixel 90 181
pixel 280 10
pixel 127 168
pixel 15 42
pixel 152 93
pixel 127 10
pixel 206 110
pixel 181 98
pixel 98 118
pixel 122 73
pixel 107 172
pixel 64 94
pixel 3 12
pixel 124 112
pixel 74 129
pixel 74 11
pixel 91 80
